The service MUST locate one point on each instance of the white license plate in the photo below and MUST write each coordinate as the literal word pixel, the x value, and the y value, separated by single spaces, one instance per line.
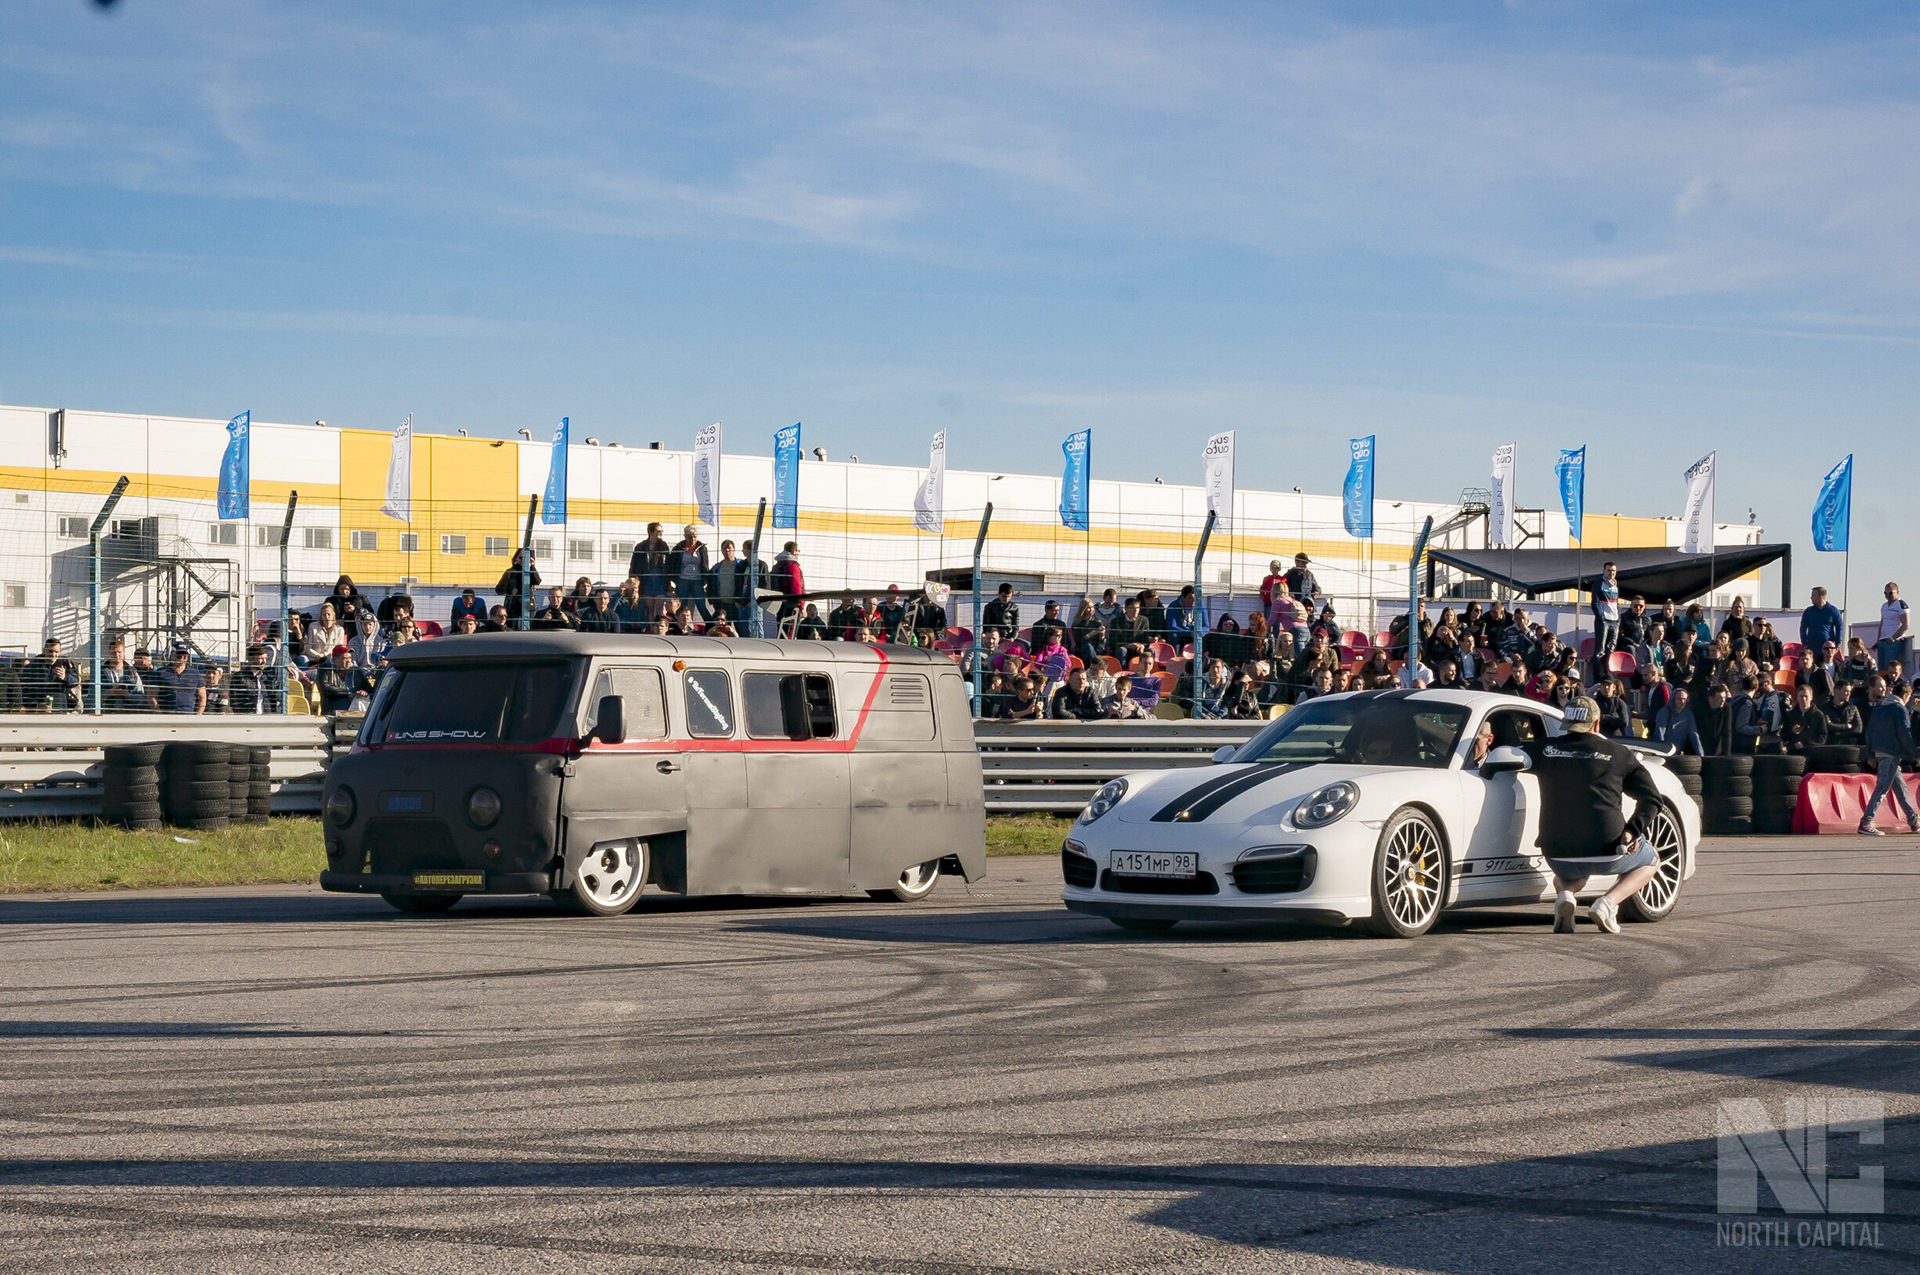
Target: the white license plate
pixel 1150 863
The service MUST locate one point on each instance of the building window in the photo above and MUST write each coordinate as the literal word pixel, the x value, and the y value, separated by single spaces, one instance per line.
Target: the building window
pixel 21 498
pixel 267 537
pixel 542 547
pixel 74 528
pixel 15 595
pixel 363 541
pixel 579 551
pixel 409 542
pixel 453 546
pixel 620 551
pixel 223 533
pixel 498 546
pixel 319 537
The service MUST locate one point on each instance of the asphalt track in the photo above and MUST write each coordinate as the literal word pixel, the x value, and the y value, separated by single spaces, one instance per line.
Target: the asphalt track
pixel 277 1079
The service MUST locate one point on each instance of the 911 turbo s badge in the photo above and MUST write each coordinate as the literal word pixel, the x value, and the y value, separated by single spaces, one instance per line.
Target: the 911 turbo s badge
pixel 1205 798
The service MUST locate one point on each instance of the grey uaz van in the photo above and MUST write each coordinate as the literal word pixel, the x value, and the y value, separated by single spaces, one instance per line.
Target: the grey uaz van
pixel 589 766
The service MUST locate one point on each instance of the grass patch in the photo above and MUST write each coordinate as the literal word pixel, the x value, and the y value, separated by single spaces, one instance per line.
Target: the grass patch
pixel 63 855
pixel 78 855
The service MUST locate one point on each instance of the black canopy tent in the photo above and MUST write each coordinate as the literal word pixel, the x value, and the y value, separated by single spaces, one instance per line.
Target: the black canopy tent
pixel 1661 575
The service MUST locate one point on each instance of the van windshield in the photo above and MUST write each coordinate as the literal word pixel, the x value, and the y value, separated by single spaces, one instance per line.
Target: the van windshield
pixel 517 703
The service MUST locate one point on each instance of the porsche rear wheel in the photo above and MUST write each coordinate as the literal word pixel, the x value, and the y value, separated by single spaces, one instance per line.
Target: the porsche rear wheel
pixel 1655 900
pixel 1409 877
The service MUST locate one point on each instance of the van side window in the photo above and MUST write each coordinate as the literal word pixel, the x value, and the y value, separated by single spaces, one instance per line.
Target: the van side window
pixel 764 698
pixel 709 704
pixel 645 696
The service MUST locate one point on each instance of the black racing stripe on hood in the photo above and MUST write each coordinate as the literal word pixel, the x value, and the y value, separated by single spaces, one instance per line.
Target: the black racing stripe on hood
pixel 1171 811
pixel 1199 804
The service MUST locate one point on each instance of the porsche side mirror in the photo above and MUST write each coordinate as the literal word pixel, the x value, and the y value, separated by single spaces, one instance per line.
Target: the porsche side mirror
pixel 1503 761
pixel 1223 754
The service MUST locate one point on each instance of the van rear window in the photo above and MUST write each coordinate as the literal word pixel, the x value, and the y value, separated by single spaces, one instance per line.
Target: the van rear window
pixel 470 703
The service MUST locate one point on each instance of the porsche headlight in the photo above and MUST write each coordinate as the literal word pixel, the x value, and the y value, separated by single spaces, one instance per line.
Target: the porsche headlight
pixel 1106 799
pixel 1330 803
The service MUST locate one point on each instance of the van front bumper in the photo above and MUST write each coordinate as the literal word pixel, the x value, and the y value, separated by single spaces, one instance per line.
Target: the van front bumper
pixel 438 881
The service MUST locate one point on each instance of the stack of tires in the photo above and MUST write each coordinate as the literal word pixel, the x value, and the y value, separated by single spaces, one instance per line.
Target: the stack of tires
pixel 131 777
pixel 1686 768
pixel 197 788
pixel 1776 791
pixel 259 782
pixel 1726 790
pixel 1836 759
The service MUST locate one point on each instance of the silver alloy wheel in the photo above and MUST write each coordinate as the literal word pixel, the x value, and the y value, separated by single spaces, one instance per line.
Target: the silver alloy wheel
pixel 1656 898
pixel 915 883
pixel 1411 874
pixel 610 876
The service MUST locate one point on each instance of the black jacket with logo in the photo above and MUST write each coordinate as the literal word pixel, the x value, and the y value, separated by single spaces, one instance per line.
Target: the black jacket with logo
pixel 1583 778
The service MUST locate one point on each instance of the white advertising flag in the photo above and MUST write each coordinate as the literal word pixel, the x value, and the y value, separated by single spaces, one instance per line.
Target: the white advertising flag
pixel 399 502
pixel 706 475
pixel 930 502
pixel 1500 534
pixel 1698 535
pixel 1217 465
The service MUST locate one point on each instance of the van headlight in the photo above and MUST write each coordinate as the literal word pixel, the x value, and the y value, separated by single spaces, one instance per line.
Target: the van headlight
pixel 1330 803
pixel 1106 799
pixel 340 806
pixel 483 807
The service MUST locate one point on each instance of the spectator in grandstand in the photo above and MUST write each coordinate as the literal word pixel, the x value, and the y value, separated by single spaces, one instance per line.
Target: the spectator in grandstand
pixel 893 612
pixel 1487 677
pixel 497 621
pixel 1049 625
pixel 405 631
pixel 51 682
pixel 1120 705
pixel 1074 700
pixel 346 598
pixel 1108 607
pixel 1540 686
pixel 1765 646
pixel 468 623
pixel 392 607
pixel 1446 675
pixel 1328 627
pixel 1715 720
pixel 1739 668
pixel 1287 614
pixel 1804 726
pixel 1494 624
pixel 1605 599
pixel 788 578
pixel 1089 634
pixel 554 615
pixel 1807 672
pixel 219 693
pixel 690 564
pixel 1859 666
pixel 1562 693
pixel 322 636
pixel 1737 626
pixel 369 645
pixel 255 685
pixel 1001 614
pixel 1210 701
pixel 1445 644
pixel 1696 619
pixel 1376 671
pixel 1268 583
pixel 342 687
pixel 684 621
pixel 648 565
pixel 1892 638
pixel 811 627
pixel 1889 743
pixel 1821 622
pixel 1397 631
pixel 600 617
pixel 179 687
pixel 845 619
pixel 925 618
pixel 1155 612
pixel 1544 653
pixel 1675 725
pixel 1845 725
pixel 466 604
pixel 1182 617
pixel 1322 684
pixel 865 634
pixel 1655 691
pixel 1300 581
pixel 1128 637
pixel 1262 687
pixel 1616 715
pixel 1652 653
pixel 1634 620
pixel 121 690
pixel 508 586
pixel 726 583
pixel 1709 669
pixel 1023 704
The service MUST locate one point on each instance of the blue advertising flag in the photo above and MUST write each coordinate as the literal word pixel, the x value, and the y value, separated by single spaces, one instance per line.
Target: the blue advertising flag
pixel 236 468
pixel 1833 512
pixel 1572 475
pixel 786 477
pixel 1357 496
pixel 1074 480
pixel 553 504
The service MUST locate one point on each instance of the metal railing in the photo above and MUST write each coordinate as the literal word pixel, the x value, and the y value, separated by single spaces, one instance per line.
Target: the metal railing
pixel 1056 766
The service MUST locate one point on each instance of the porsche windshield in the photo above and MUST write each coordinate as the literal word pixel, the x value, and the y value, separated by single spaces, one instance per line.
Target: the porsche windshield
pixel 1360 730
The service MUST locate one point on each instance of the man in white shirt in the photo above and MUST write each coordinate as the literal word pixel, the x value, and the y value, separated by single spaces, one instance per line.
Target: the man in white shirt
pixel 1606 614
pixel 1895 623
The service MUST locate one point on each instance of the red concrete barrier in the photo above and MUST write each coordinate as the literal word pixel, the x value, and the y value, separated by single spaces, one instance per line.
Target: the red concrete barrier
pixel 1834 803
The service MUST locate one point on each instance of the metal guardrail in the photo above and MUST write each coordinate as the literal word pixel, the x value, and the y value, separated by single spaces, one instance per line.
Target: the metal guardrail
pixel 1057 766
pixel 51 764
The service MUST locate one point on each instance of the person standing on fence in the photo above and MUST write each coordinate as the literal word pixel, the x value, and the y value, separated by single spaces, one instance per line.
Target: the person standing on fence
pixel 1890 740
pixel 1896 622
pixel 1605 596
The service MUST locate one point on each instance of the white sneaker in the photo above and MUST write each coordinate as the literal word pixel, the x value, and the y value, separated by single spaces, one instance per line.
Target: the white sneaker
pixel 1603 914
pixel 1563 909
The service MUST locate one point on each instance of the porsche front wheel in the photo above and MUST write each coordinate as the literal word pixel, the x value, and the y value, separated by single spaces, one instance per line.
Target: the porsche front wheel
pixel 1409 877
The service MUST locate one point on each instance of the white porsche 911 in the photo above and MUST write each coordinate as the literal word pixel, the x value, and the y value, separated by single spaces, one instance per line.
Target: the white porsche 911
pixel 1358 807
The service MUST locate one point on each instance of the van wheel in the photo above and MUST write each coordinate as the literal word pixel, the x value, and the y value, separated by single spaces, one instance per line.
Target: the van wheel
pixel 608 879
pixel 421 902
pixel 915 884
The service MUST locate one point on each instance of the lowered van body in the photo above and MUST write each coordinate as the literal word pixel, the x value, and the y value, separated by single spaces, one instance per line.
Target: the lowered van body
pixel 588 766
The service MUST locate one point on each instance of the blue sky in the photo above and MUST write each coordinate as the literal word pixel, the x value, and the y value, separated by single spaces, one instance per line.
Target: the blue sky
pixel 1652 229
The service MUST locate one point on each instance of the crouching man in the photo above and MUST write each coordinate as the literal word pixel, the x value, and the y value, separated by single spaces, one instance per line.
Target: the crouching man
pixel 1583 778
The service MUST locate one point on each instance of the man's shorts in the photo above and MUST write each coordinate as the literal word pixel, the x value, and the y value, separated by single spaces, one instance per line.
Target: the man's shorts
pixel 1642 856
